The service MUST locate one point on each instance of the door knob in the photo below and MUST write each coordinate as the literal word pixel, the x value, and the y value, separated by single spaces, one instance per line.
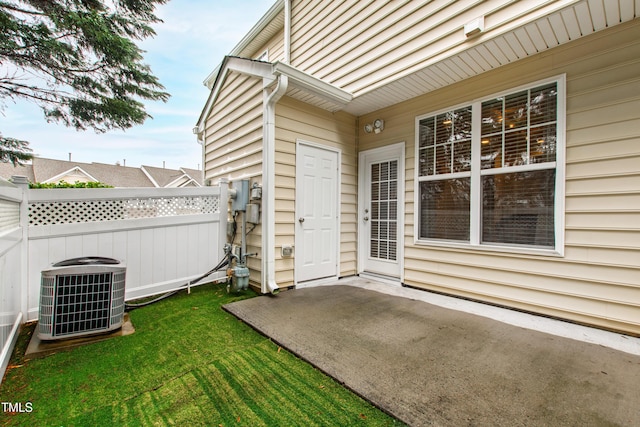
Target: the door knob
pixel 301 220
pixel 366 218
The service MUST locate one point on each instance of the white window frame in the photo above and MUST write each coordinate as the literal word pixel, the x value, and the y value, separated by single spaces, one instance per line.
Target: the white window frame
pixel 477 173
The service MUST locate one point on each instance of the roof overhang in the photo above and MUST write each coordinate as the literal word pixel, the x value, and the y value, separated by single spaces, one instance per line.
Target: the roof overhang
pixel 549 26
pixel 312 90
pixel 231 64
pixel 268 26
pixel 529 35
pixel 301 86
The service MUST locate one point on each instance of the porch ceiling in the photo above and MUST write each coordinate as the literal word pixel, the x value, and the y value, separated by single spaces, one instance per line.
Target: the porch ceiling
pixel 489 52
pixel 306 88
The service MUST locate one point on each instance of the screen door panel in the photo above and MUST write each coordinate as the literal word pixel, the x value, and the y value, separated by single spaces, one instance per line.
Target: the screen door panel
pixel 383 240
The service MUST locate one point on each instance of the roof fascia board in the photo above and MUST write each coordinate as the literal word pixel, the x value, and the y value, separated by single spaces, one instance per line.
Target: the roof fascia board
pixel 266 19
pixel 192 182
pixel 215 88
pixel 210 81
pixel 274 11
pixel 312 84
pixel 250 67
pixel 177 182
pixel 240 65
pixel 184 171
pixel 54 179
pixel 153 181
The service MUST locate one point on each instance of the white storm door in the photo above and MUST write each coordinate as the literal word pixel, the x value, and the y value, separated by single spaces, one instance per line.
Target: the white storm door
pixel 381 210
pixel 316 235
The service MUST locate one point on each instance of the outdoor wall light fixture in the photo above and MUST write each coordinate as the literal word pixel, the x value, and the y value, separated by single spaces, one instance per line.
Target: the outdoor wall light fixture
pixel 377 126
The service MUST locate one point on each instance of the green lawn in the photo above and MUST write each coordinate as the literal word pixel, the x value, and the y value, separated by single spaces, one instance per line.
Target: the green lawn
pixel 188 363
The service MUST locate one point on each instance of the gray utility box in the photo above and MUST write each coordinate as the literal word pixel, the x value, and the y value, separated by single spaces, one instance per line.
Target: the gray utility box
pixel 239 202
pixel 253 213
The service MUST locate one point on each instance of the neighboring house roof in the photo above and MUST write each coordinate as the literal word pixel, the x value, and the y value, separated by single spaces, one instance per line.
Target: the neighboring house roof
pixel 7 170
pixel 52 171
pixel 195 174
pixel 173 178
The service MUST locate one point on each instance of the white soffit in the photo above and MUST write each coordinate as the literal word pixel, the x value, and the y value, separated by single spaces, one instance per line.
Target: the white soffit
pixel 269 25
pixel 578 20
pixel 309 89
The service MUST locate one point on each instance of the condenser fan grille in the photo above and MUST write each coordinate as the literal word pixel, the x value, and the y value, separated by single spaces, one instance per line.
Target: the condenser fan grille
pixel 82 303
pixel 81 300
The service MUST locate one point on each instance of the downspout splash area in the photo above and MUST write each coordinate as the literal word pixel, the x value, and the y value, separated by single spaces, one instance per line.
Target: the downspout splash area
pixel 269 284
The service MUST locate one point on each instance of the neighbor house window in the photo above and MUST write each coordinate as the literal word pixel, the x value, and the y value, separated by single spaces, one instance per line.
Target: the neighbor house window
pixel 487 172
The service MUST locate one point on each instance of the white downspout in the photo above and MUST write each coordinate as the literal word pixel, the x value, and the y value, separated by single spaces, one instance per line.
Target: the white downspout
pixel 201 138
pixel 287 31
pixel 269 284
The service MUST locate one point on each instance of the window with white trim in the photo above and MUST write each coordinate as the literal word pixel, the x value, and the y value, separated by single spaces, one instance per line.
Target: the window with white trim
pixel 487 172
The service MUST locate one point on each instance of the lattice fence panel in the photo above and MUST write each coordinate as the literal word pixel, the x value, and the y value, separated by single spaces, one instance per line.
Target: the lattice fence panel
pixel 78 211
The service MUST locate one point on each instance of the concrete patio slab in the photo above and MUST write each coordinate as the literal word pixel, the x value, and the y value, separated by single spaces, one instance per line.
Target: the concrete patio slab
pixel 430 365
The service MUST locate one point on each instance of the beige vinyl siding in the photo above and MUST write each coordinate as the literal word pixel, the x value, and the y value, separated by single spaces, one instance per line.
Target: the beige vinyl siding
pixel 298 121
pixel 358 44
pixel 234 130
pixel 598 280
pixel 233 147
pixel 275 47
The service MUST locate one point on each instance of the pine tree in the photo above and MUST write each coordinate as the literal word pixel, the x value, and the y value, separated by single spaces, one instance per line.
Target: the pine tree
pixel 78 61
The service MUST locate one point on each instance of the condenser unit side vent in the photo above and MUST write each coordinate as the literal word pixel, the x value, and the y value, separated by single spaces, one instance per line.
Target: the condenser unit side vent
pixel 81 300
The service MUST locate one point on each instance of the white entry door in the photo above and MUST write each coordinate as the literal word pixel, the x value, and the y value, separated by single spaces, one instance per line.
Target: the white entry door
pixel 316 235
pixel 381 201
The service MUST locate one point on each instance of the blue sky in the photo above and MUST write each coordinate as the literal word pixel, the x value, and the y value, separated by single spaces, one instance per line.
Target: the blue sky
pixel 195 36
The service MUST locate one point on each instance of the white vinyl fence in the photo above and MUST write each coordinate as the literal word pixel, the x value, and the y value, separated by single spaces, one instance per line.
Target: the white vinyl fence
pixel 12 269
pixel 166 237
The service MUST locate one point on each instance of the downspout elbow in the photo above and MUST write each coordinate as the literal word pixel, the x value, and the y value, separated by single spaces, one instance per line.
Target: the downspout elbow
pixel 272 287
pixel 278 92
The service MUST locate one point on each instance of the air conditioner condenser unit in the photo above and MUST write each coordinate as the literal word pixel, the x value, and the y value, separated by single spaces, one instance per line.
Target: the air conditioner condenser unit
pixel 81 296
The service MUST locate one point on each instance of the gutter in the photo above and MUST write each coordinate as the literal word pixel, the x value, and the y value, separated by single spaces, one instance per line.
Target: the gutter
pixel 312 85
pixel 269 284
